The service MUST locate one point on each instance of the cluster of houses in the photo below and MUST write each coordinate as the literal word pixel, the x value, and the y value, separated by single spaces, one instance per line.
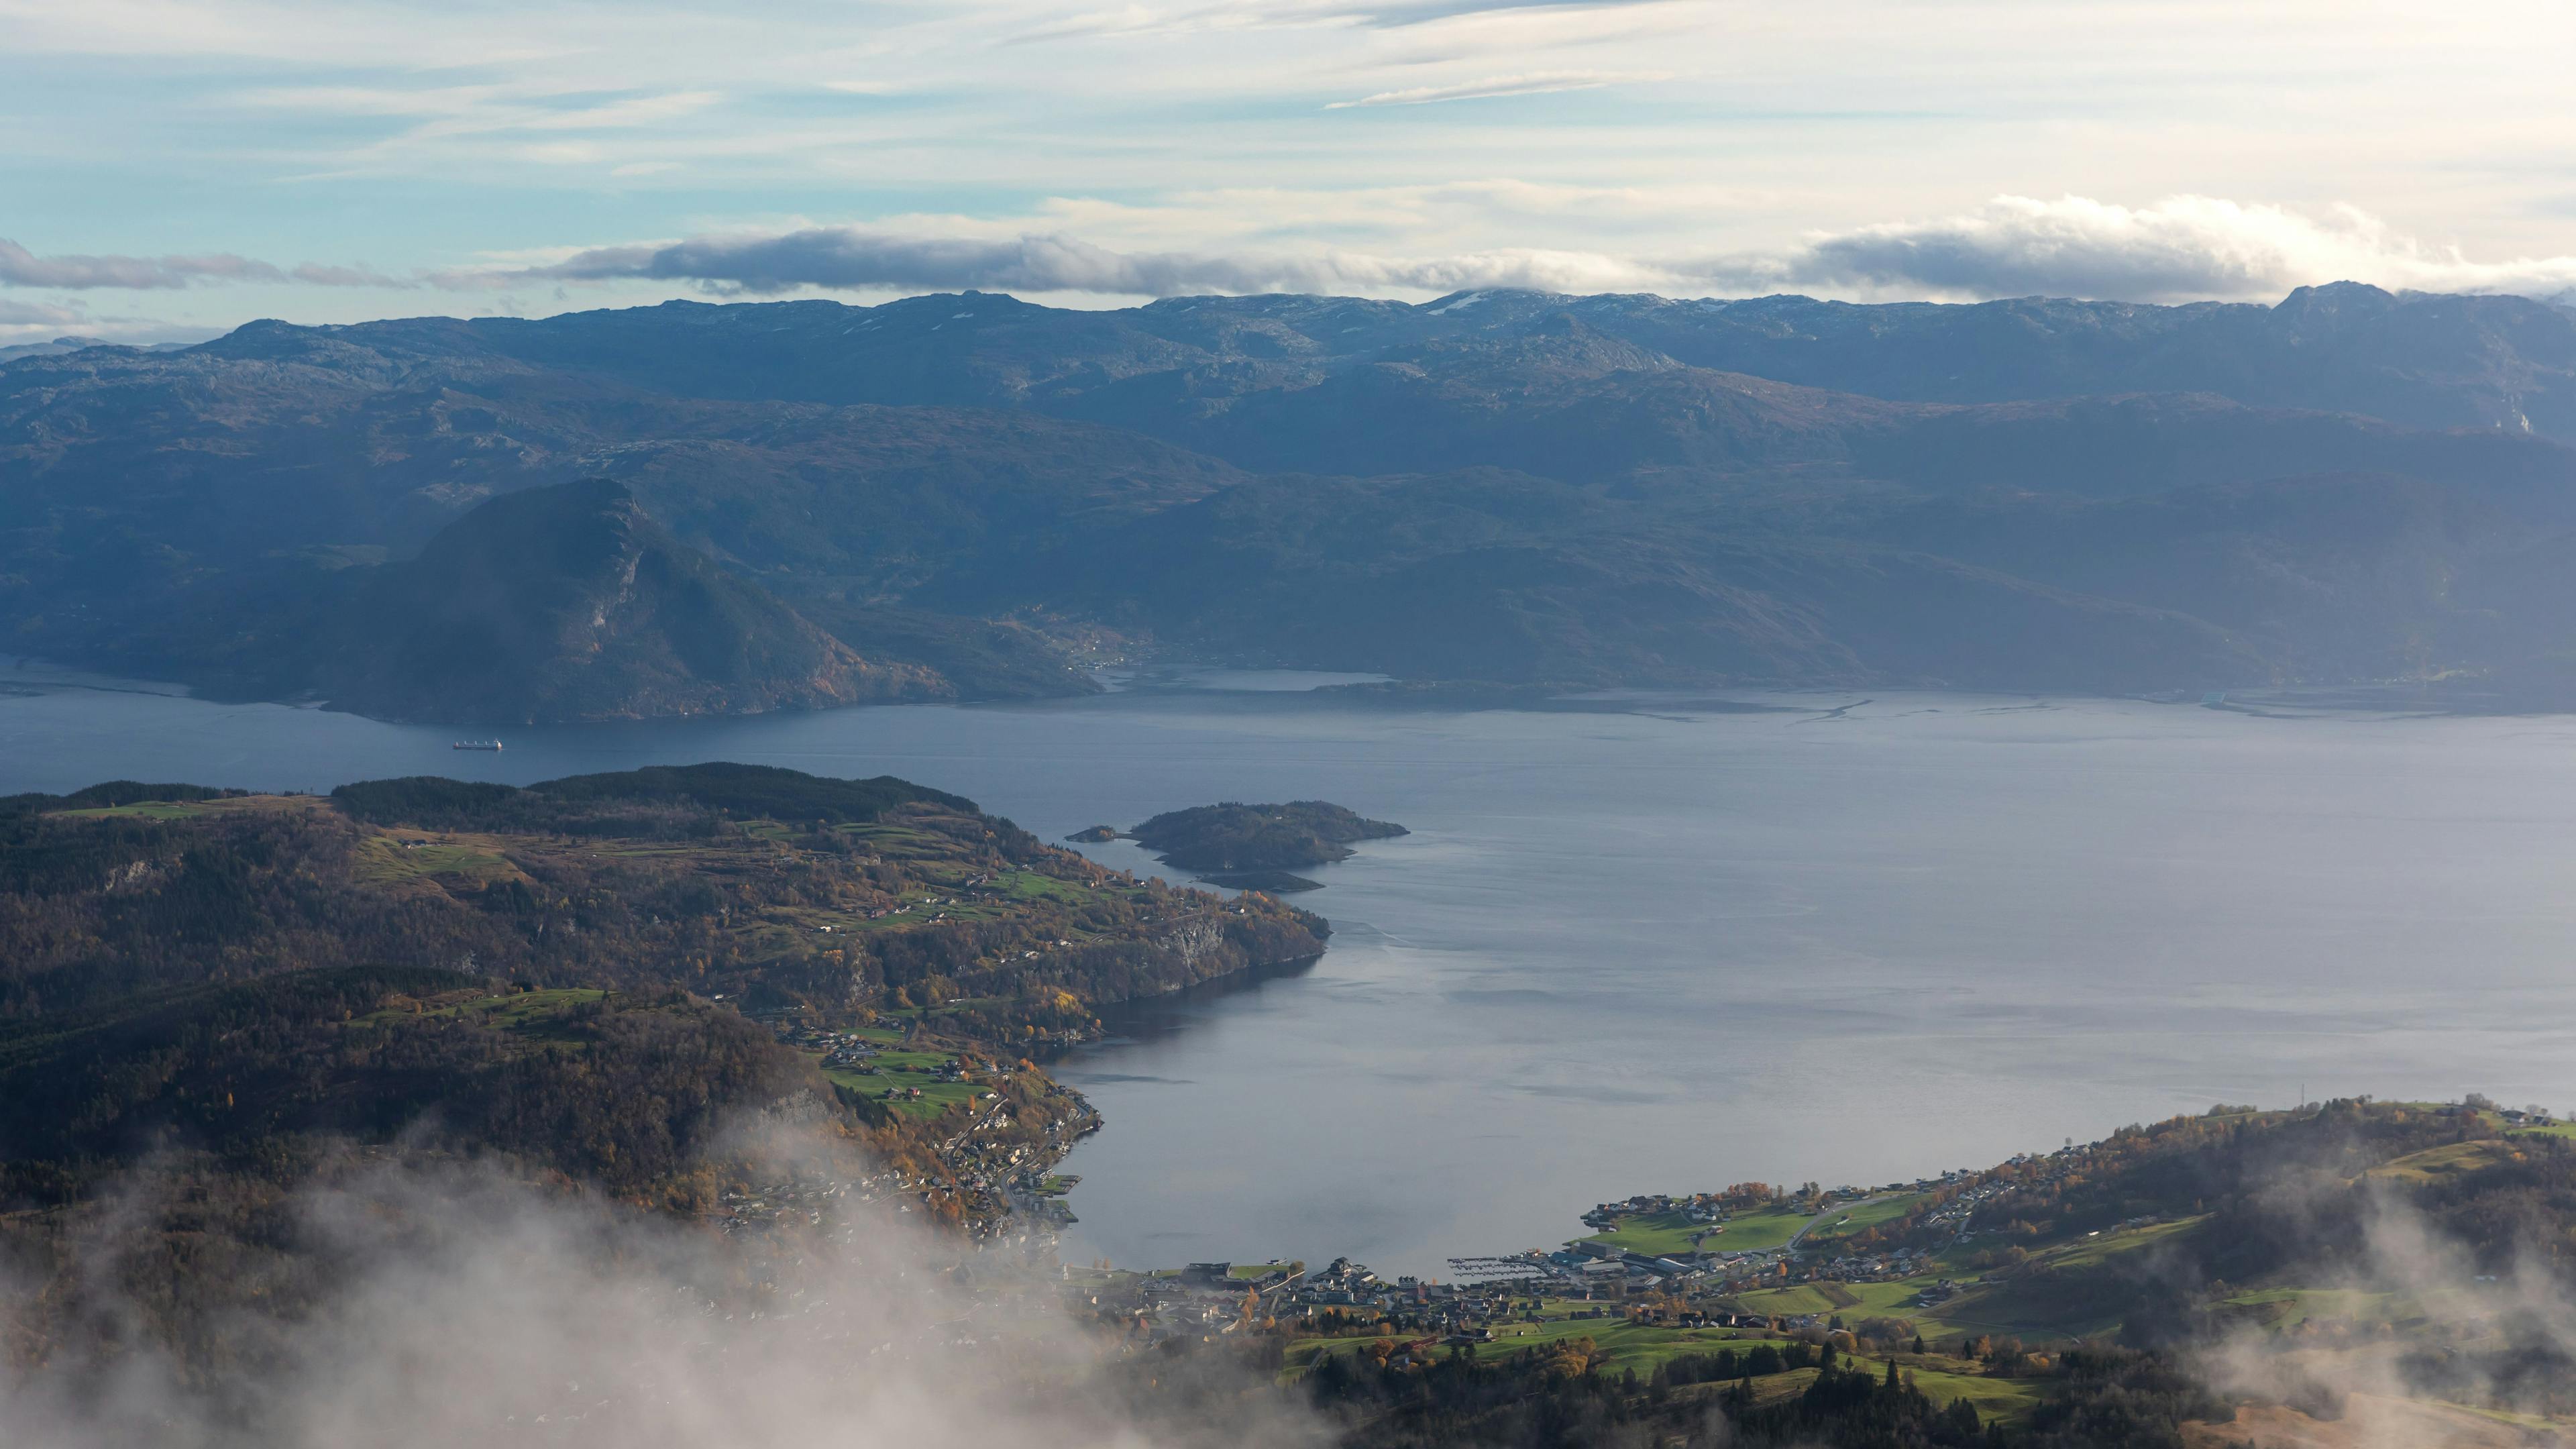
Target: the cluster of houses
pixel 2026 1169
pixel 845 1050
pixel 1207 1299
pixel 1215 1298
pixel 1885 1267
pixel 803 1197
pixel 1955 1213
pixel 852 1053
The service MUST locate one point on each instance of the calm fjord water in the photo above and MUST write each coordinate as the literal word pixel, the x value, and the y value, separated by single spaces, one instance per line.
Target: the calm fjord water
pixel 1671 950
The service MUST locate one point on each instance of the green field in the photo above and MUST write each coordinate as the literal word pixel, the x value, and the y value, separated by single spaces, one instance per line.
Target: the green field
pixel 1624 1346
pixel 1859 1219
pixel 2086 1251
pixel 1854 1301
pixel 2005 1399
pixel 528 1013
pixel 1023 885
pixel 384 859
pixel 2281 1308
pixel 190 809
pixel 2033 1309
pixel 145 810
pixel 2432 1165
pixel 1662 1234
pixel 906 1069
pixel 1796 1298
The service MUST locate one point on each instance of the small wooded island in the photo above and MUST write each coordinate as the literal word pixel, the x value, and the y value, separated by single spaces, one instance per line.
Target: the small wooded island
pixel 1255 846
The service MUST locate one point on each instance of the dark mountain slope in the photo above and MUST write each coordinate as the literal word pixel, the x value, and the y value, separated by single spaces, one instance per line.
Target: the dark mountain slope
pixel 2420 360
pixel 2147 443
pixel 144 493
pixel 554 603
pixel 281 436
pixel 1568 402
pixel 1604 388
pixel 2417 359
pixel 1501 576
pixel 568 602
pixel 971 350
pixel 1564 401
pixel 2356 575
pixel 1501 486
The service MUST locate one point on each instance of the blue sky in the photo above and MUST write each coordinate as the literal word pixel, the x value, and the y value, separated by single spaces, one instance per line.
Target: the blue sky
pixel 171 169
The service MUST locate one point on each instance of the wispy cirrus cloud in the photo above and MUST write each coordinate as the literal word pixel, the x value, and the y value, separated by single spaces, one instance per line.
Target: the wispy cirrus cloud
pixel 20 267
pixel 319 274
pixel 1393 13
pixel 1538 83
pixel 24 322
pixel 41 314
pixel 1133 19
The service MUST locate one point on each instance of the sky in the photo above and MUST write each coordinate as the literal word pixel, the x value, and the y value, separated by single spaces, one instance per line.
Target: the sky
pixel 172 168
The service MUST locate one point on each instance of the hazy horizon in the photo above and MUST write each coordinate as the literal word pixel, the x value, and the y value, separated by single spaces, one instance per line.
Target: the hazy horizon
pixel 172 175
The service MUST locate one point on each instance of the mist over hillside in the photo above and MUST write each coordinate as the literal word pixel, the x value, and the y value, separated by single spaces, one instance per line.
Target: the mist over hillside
pixel 1515 487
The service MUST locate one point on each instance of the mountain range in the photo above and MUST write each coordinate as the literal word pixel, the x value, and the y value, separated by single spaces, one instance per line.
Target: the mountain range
pixel 808 503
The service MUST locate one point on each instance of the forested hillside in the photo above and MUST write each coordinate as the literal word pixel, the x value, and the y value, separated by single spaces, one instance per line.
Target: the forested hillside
pixel 603 981
pixel 228 940
pixel 964 497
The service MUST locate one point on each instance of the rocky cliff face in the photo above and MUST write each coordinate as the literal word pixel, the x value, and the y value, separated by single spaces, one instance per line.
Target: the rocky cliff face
pixel 570 603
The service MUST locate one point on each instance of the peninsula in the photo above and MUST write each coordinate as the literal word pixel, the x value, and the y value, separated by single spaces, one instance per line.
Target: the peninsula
pixel 652 950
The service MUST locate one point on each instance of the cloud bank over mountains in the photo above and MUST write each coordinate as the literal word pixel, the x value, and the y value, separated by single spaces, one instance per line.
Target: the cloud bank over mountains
pixel 2183 248
pixel 859 259
pixel 241 162
pixel 2179 249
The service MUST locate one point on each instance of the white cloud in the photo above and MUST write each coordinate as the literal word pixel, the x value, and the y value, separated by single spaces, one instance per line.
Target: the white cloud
pixel 1394 13
pixel 2180 248
pixel 434 1306
pixel 1535 84
pixel 41 314
pixel 23 322
pixel 858 259
pixel 20 267
pixel 1280 142
pixel 1137 20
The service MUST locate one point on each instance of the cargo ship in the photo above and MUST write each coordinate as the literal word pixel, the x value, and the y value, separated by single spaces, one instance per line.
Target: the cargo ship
pixel 476 745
